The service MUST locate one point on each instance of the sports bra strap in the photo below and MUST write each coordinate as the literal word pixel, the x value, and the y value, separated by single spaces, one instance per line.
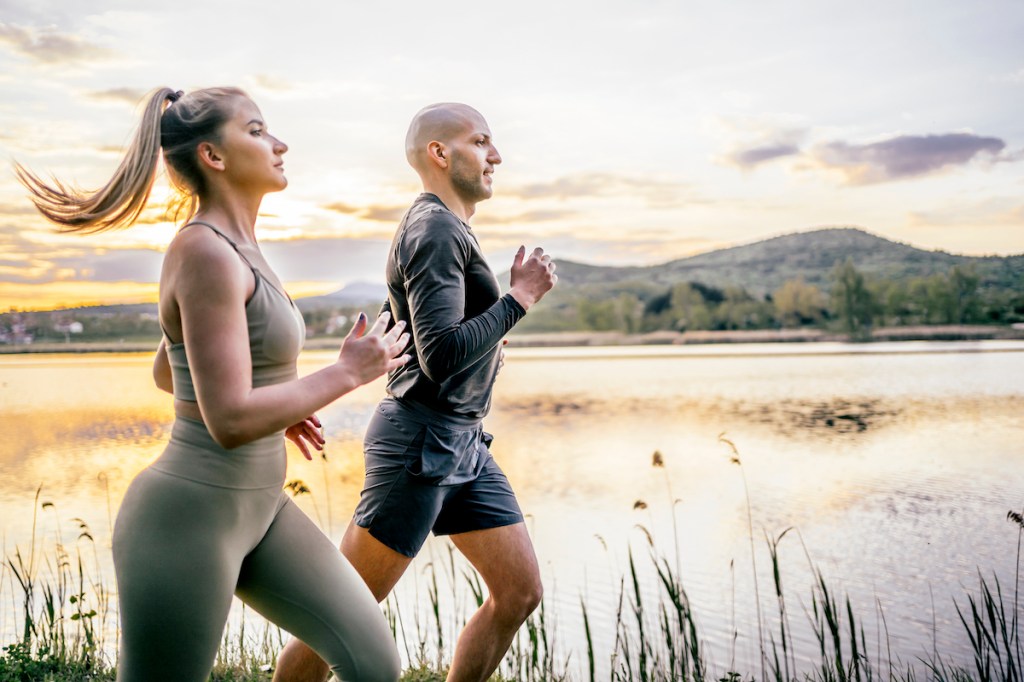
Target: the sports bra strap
pixel 227 239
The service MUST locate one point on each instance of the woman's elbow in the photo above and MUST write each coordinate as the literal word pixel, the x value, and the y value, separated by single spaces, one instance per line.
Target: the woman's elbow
pixel 228 433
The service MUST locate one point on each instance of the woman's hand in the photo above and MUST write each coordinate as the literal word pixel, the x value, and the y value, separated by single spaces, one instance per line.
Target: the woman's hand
pixel 307 432
pixel 370 355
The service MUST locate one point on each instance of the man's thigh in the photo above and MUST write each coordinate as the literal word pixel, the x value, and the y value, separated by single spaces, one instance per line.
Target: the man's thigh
pixel 481 504
pixel 503 556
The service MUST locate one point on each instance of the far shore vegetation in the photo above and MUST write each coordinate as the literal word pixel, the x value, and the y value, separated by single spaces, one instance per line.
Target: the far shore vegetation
pixel 65 620
pixel 951 306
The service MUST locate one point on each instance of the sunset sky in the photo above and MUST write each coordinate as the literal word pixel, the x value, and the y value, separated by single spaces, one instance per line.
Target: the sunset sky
pixel 632 133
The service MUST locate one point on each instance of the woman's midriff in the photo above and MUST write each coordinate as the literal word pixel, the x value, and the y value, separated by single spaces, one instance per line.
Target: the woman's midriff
pixel 188 409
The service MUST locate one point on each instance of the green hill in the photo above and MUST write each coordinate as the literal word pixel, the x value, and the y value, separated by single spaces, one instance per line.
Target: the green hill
pixel 728 289
pixel 763 267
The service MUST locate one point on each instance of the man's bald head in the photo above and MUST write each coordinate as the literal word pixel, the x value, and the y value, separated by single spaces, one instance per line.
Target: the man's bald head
pixel 437 122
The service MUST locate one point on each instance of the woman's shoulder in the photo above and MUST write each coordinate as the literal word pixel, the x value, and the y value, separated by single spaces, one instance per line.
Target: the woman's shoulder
pixel 195 246
pixel 199 261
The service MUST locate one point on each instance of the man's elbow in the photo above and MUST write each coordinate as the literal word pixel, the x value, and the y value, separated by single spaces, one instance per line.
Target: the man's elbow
pixel 435 367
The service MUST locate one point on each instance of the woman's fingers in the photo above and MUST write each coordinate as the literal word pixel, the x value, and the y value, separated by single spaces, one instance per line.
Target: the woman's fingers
pixel 398 345
pixel 395 363
pixel 394 333
pixel 380 325
pixel 358 328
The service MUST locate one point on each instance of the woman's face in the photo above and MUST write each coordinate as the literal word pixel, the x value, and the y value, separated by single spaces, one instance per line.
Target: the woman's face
pixel 252 157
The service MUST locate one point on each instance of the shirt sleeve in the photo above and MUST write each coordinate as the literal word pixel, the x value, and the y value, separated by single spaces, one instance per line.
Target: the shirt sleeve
pixel 435 283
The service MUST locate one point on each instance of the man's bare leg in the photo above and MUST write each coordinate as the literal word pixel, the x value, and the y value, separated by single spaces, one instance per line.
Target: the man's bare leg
pixel 505 559
pixel 380 568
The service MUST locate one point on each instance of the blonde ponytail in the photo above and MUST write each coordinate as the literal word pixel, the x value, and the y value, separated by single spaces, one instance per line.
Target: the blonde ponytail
pixel 119 202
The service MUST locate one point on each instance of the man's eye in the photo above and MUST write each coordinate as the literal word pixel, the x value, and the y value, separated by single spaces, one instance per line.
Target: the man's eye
pixel 257 132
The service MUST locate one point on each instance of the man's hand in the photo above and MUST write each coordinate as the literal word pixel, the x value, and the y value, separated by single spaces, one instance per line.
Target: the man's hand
pixel 531 277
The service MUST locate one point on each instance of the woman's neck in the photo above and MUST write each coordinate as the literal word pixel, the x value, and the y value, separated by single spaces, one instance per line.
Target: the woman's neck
pixel 234 216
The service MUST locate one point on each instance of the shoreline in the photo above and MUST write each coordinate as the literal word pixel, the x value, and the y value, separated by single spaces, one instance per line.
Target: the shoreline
pixel 597 339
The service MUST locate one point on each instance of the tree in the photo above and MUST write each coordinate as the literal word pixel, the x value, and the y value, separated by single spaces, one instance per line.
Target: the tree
pixel 689 310
pixel 852 300
pixel 798 303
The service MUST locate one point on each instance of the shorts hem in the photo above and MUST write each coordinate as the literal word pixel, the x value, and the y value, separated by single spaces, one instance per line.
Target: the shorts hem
pixel 484 524
pixel 384 541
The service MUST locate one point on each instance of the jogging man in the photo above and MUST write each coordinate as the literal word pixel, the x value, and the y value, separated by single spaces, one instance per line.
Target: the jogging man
pixel 428 467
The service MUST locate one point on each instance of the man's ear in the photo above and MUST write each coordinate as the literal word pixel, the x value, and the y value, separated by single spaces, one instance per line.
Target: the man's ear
pixel 438 154
pixel 209 156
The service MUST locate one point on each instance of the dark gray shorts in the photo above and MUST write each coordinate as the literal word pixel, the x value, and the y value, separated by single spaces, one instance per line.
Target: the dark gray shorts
pixel 426 471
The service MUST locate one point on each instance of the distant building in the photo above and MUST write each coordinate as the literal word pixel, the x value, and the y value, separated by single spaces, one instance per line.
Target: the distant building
pixel 16 335
pixel 72 327
pixel 335 323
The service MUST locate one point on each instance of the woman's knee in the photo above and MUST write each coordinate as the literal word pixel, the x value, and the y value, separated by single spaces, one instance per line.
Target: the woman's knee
pixel 382 665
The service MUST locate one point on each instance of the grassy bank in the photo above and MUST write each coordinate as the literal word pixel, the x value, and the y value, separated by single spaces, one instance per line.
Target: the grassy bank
pixel 569 339
pixel 66 617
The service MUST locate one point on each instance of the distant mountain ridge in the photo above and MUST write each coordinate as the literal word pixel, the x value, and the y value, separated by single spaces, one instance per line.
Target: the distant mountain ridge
pixel 352 295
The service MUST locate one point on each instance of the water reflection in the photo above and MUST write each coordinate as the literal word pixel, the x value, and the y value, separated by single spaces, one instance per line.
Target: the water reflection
pixel 895 470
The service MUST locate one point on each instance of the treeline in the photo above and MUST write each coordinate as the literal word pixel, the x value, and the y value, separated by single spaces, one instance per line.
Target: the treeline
pixel 854 303
pixel 48 327
pixel 22 328
pixel 849 301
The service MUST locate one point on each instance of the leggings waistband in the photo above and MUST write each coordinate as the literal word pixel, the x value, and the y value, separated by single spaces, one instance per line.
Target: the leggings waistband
pixel 193 454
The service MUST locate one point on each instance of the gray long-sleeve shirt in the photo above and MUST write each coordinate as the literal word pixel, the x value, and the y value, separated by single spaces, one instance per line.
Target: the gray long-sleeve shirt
pixel 440 284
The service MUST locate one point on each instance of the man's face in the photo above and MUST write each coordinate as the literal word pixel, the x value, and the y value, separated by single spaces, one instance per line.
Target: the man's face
pixel 473 157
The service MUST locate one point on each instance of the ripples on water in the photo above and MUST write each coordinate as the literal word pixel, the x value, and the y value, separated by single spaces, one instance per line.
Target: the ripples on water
pixel 894 469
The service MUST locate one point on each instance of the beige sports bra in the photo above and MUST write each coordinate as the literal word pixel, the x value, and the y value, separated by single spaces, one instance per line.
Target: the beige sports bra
pixel 276 334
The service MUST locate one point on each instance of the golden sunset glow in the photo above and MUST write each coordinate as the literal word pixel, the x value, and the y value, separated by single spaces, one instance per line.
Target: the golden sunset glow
pixel 707 126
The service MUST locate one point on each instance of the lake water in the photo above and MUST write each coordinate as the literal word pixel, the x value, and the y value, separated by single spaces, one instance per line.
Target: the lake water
pixel 894 465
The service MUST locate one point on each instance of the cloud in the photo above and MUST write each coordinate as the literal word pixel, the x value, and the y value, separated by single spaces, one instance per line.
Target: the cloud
pixel 388 214
pixel 903 156
pixel 328 260
pixel 48 46
pixel 17 209
pixel 755 140
pixel 272 83
pixel 527 217
pixel 992 212
pixel 756 155
pixel 341 207
pixel 1016 77
pixel 589 185
pixel 130 95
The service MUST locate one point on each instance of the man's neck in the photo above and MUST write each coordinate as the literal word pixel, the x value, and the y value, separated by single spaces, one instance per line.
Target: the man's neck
pixel 453 202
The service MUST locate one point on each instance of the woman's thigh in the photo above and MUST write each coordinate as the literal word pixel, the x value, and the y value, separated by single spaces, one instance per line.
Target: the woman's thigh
pixel 299 580
pixel 176 560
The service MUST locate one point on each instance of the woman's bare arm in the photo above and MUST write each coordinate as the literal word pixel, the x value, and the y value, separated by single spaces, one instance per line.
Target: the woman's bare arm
pixel 211 287
pixel 162 376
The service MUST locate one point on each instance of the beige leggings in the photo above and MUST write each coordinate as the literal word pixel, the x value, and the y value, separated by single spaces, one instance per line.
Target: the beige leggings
pixel 202 524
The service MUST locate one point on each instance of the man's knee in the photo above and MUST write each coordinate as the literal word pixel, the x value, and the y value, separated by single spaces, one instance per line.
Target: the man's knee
pixel 520 599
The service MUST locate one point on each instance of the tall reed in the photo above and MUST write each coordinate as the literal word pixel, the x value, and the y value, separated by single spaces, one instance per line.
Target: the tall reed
pixel 65 612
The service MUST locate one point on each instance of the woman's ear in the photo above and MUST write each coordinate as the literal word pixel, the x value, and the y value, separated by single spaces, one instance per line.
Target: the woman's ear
pixel 209 156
